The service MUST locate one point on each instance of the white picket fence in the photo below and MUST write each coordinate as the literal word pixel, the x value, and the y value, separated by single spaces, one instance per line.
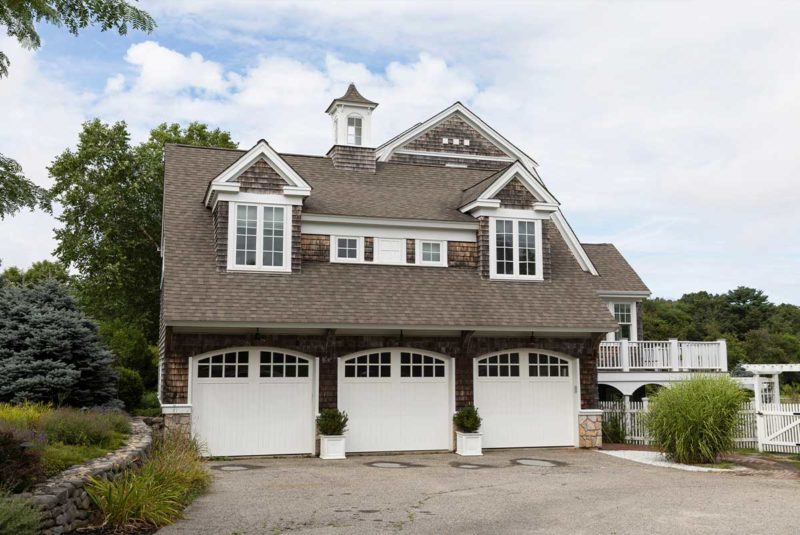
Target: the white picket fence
pixel 632 419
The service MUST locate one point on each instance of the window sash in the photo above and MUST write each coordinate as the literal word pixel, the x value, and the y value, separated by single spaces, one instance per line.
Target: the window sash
pixel 515 248
pixel 347 249
pixel 624 317
pixel 259 237
pixel 430 252
pixel 354 130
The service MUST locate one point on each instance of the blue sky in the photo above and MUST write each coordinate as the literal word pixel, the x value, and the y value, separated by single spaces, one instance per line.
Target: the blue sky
pixel 668 129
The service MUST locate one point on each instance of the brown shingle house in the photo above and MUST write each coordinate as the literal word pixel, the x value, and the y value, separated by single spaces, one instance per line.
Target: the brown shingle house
pixel 397 283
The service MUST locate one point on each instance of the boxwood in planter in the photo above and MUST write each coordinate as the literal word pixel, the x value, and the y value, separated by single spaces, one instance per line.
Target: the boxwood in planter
pixel 467 420
pixel 332 422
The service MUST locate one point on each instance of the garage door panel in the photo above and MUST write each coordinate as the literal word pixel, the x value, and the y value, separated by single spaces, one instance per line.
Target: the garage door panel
pixel 407 408
pixel 521 404
pixel 255 415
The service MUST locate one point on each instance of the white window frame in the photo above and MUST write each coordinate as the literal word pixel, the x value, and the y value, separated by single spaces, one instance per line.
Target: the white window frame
pixel 359 249
pixel 539 275
pixel 612 336
pixel 442 256
pixel 376 251
pixel 358 131
pixel 286 267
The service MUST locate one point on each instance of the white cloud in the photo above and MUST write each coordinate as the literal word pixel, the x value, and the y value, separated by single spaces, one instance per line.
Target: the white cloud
pixel 669 129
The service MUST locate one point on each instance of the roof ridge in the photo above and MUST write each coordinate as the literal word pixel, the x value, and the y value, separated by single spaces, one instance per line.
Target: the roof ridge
pixel 187 145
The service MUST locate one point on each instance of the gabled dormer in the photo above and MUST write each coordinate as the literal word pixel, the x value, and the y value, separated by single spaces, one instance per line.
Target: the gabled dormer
pixel 256 205
pixel 516 214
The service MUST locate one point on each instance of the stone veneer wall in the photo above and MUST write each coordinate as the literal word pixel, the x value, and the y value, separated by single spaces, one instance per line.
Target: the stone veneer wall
pixel 590 429
pixel 180 346
pixel 64 503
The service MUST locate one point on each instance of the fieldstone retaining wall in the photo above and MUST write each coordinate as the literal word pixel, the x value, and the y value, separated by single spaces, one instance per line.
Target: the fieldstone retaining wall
pixel 65 505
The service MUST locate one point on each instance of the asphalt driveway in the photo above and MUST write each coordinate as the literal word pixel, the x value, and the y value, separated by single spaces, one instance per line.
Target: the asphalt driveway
pixel 583 492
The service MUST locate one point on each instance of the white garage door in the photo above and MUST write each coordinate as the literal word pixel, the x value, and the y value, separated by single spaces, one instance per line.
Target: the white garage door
pixel 397 400
pixel 527 398
pixel 254 402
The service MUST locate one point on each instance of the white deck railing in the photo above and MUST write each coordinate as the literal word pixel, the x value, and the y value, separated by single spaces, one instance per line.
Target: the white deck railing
pixel 671 355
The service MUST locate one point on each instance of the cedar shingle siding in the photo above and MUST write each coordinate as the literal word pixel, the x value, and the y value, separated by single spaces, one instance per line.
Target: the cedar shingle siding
pixel 417 159
pixel 410 251
pixel 369 249
pixel 462 254
pixel 221 235
pixel 260 178
pixel 515 195
pixel 352 158
pixel 315 247
pixel 453 127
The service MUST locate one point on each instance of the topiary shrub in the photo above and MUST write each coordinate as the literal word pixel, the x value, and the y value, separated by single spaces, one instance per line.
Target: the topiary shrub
pixel 467 420
pixel 130 388
pixel 18 516
pixel 332 422
pixel 20 460
pixel 695 421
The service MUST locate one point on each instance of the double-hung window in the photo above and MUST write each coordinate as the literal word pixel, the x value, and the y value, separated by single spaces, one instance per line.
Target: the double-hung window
pixel 516 248
pixel 354 130
pixel 622 313
pixel 259 237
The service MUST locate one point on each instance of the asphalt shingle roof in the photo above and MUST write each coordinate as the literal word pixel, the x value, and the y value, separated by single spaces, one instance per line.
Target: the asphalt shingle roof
pixel 616 274
pixel 350 294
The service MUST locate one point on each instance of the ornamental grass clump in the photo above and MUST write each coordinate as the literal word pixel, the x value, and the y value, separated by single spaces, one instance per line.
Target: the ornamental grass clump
pixel 695 421
pixel 154 494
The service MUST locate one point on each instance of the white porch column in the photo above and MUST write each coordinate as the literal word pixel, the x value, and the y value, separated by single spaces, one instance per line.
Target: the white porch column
pixel 645 408
pixel 723 354
pixel 627 419
pixel 624 355
pixel 758 401
pixel 776 388
pixel 674 354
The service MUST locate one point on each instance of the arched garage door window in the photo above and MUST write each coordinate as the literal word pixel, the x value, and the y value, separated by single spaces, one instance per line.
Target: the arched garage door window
pixel 508 365
pixel 527 398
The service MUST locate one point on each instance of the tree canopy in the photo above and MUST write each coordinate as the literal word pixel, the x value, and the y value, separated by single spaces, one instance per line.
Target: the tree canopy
pixel 16 191
pixel 20 18
pixel 37 273
pixel 111 194
pixel 757 330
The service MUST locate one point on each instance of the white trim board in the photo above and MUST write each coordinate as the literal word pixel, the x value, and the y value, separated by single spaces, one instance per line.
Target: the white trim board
pixel 365 230
pixel 385 151
pixel 296 186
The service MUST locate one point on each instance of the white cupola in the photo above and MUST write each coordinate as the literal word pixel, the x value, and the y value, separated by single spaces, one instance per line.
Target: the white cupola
pixel 352 117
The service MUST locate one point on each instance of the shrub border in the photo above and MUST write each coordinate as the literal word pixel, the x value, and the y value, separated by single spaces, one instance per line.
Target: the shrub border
pixel 64 504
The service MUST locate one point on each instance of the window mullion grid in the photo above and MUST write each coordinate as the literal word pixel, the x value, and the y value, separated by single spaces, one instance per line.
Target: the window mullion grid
pixel 515 246
pixel 260 236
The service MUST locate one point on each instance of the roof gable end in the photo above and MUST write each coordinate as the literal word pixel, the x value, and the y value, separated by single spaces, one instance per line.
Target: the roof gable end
pixel 460 112
pixel 228 180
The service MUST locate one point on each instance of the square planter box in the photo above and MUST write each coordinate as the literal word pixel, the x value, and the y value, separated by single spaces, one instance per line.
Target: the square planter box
pixel 468 444
pixel 331 447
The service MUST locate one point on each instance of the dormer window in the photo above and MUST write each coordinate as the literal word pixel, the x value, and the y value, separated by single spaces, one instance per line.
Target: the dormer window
pixel 516 249
pixel 259 237
pixel 354 130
